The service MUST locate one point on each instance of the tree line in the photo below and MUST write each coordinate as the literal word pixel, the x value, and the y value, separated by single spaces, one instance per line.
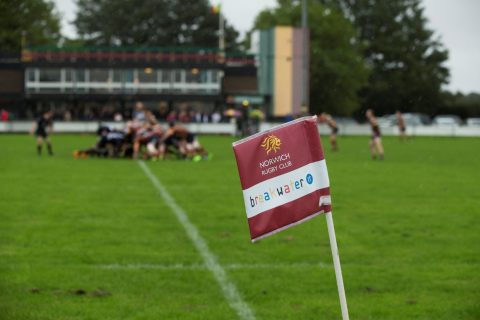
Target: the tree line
pixel 363 53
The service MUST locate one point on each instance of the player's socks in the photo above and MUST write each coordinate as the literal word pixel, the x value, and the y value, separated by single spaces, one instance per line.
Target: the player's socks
pixel 208 156
pixel 49 148
pixel 39 150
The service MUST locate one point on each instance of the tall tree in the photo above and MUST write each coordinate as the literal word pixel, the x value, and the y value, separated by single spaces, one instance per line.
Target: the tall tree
pixel 33 22
pixel 337 71
pixel 407 61
pixel 180 23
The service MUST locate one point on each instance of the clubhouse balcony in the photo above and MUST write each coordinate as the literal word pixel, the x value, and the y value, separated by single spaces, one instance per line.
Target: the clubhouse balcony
pixel 134 56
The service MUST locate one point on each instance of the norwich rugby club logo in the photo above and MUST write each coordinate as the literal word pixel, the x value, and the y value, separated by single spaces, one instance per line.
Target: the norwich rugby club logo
pixel 271 143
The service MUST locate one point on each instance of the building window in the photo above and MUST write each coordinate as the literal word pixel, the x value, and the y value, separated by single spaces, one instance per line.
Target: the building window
pixel 147 75
pixel 117 75
pixel 30 75
pixel 177 75
pixel 214 76
pixel 80 75
pixel 50 75
pixel 69 75
pixel 165 76
pixel 192 76
pixel 99 75
pixel 204 76
pixel 128 76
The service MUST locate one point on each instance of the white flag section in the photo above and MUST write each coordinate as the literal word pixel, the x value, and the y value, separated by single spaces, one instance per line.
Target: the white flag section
pixel 288 187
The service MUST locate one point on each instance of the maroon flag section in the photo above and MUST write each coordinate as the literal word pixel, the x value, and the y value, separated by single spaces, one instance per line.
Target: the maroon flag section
pixel 283 175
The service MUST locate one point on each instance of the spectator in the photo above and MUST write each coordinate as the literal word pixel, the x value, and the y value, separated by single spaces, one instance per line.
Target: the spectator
pixel 172 116
pixel 162 111
pixel 183 117
pixel 198 117
pixel 139 112
pixel 117 117
pixel 4 115
pixel 67 115
pixel 216 117
pixel 205 118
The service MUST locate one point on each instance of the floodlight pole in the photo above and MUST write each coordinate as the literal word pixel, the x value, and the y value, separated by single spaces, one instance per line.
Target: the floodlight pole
pixel 221 28
pixel 221 40
pixel 304 54
pixel 336 265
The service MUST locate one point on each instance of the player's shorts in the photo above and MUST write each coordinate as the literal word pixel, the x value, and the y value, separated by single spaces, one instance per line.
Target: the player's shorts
pixel 403 129
pixel 171 141
pixel 334 130
pixel 41 133
pixel 192 146
pixel 190 138
pixel 152 147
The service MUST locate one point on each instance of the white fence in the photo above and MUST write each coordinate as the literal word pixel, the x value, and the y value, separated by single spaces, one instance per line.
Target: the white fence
pixel 230 128
pixel 432 130
pixel 92 126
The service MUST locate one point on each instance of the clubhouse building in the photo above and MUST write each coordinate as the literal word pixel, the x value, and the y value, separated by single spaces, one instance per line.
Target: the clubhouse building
pixel 94 83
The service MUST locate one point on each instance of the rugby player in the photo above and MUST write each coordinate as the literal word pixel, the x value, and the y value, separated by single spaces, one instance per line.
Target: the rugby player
pixel 109 144
pixel 185 142
pixel 154 144
pixel 402 128
pixel 41 128
pixel 326 118
pixel 376 147
pixel 144 133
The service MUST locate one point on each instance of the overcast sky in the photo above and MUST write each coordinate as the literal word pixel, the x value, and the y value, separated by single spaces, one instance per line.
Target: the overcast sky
pixel 456 22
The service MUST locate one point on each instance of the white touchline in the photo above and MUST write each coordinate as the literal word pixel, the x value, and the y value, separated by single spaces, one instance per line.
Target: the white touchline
pixel 229 290
pixel 196 266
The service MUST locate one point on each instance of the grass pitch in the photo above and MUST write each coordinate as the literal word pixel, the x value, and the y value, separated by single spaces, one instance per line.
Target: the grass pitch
pixel 92 239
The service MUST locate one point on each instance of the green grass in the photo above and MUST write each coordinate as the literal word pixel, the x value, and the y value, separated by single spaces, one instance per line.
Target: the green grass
pixel 408 231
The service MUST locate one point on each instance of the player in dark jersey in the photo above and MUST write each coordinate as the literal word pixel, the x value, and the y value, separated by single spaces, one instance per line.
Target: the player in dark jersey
pixel 376 147
pixel 109 144
pixel 185 143
pixel 41 128
pixel 175 140
pixel 326 118
pixel 402 127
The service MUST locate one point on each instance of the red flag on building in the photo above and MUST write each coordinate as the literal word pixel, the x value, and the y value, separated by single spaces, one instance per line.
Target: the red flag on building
pixel 283 175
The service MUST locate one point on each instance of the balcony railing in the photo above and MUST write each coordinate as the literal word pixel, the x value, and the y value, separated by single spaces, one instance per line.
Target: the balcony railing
pixel 129 54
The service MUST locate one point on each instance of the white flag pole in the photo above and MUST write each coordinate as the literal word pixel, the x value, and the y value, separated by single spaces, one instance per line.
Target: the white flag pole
pixel 336 265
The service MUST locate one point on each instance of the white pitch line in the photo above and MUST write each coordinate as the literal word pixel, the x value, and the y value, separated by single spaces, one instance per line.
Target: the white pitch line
pixel 229 290
pixel 155 266
pixel 196 266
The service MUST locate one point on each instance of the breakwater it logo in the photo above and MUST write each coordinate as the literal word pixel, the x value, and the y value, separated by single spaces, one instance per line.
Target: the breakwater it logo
pixel 283 189
pixel 271 143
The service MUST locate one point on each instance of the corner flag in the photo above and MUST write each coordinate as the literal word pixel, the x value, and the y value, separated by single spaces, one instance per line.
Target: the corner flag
pixel 285 182
pixel 284 176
